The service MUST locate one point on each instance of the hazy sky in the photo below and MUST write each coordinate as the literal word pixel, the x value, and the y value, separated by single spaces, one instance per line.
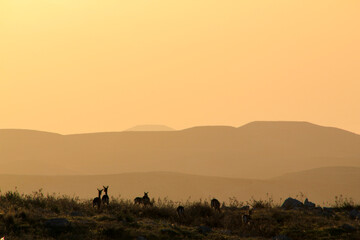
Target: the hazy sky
pixel 74 66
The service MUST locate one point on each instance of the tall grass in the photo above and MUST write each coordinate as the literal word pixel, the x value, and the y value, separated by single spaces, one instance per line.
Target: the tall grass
pixel 25 214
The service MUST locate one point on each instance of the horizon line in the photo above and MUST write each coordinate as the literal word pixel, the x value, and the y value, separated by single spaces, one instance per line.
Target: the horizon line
pixel 178 130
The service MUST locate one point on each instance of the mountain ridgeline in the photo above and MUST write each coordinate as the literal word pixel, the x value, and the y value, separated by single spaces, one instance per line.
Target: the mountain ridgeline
pixel 153 128
pixel 255 150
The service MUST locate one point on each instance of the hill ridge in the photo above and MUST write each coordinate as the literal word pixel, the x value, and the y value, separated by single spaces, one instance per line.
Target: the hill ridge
pixel 247 152
pixel 250 124
pixel 149 128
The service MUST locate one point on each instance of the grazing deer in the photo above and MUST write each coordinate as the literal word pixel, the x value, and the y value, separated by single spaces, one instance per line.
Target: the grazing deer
pixel 180 211
pixel 105 198
pixel 97 200
pixel 246 218
pixel 138 200
pixel 215 204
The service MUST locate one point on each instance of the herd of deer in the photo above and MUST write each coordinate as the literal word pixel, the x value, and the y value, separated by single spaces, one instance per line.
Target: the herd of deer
pixel 145 201
pixel 105 199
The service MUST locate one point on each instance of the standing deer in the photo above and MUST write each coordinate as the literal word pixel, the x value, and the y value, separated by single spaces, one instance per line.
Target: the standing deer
pixel 97 200
pixel 180 211
pixel 215 204
pixel 145 200
pixel 246 218
pixel 105 198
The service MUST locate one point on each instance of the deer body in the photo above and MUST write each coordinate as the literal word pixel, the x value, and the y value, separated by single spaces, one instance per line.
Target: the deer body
pixel 97 200
pixel 145 200
pixel 138 200
pixel 246 218
pixel 105 198
pixel 215 204
pixel 180 211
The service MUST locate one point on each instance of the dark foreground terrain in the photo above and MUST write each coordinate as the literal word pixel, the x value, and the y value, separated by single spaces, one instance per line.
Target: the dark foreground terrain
pixel 39 216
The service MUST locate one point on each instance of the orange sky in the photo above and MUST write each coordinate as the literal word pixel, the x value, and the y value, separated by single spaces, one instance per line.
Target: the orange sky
pixel 75 66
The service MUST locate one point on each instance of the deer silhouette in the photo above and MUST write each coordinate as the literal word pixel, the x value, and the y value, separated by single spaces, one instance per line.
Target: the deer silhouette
pixel 105 198
pixel 246 218
pixel 215 204
pixel 138 200
pixel 97 200
pixel 180 211
pixel 145 200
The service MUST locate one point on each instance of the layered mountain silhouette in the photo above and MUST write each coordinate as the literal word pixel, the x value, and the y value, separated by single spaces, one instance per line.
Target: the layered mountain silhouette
pixel 256 150
pixel 319 185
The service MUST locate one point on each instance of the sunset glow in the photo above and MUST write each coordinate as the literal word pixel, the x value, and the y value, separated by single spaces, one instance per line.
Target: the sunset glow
pixel 87 66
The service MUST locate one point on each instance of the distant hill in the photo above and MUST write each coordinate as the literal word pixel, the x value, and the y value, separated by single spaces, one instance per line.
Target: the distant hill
pixel 320 185
pixel 154 128
pixel 255 150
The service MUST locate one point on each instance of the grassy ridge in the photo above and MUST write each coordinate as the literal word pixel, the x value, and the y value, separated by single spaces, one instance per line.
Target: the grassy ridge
pixel 29 217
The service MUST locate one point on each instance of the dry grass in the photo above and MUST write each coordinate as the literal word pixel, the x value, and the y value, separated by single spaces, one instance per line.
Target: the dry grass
pixel 25 216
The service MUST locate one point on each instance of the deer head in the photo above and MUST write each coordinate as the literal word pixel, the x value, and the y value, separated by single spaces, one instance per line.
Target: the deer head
pixel 100 191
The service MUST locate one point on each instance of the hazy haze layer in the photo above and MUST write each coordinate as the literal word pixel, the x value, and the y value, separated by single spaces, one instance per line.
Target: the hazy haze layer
pixel 255 150
pixel 320 185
